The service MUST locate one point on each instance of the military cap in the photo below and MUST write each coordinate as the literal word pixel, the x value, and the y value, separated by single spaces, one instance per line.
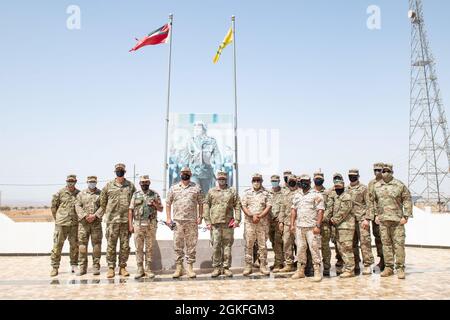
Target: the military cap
pixel 318 175
pixel 92 179
pixel 292 177
pixel 388 166
pixel 287 173
pixel 221 174
pixel 339 183
pixel 305 177
pixel 275 178
pixel 353 172
pixel 338 175
pixel 378 166
pixel 71 178
pixel 120 166
pixel 186 170
pixel 257 176
pixel 144 178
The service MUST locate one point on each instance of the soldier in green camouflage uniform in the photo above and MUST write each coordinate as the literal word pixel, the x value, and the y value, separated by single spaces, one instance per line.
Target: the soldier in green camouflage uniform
pixel 256 204
pixel 393 209
pixel 284 219
pixel 363 215
pixel 221 207
pixel 275 234
pixel 377 169
pixel 343 219
pixel 66 224
pixel 115 199
pixel 142 221
pixel 90 225
pixel 184 198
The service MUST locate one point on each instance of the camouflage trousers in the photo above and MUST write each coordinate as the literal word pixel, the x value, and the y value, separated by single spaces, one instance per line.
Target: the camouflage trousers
pixel 288 245
pixel 223 239
pixel 185 235
pixel 145 236
pixel 325 232
pixel 339 261
pixel 306 238
pixel 393 238
pixel 344 239
pixel 377 236
pixel 94 232
pixel 256 232
pixel 362 236
pixel 59 237
pixel 276 238
pixel 117 232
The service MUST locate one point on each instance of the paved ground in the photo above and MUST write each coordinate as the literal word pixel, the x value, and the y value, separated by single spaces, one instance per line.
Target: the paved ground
pixel 428 277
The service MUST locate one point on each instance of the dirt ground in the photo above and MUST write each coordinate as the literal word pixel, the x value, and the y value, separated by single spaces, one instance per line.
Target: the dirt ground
pixel 31 215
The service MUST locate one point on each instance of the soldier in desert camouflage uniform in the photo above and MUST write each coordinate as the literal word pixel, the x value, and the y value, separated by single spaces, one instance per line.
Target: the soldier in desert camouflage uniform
pixel 363 215
pixel 142 221
pixel 115 199
pixel 256 204
pixel 377 169
pixel 393 208
pixel 90 225
pixel 66 224
pixel 182 201
pixel 275 234
pixel 284 219
pixel 222 207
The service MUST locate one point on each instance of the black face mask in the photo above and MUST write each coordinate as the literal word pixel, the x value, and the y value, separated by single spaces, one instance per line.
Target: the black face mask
pixel 145 187
pixel 120 173
pixel 292 184
pixel 185 177
pixel 286 179
pixel 318 182
pixel 339 191
pixel 305 185
pixel 353 178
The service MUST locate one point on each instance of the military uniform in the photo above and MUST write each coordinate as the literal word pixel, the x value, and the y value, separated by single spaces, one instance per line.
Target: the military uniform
pixel 343 219
pixel 376 227
pixel 144 224
pixel 275 234
pixel 307 206
pixel 284 218
pixel 361 211
pixel 66 223
pixel 115 199
pixel 88 202
pixel 256 201
pixel 393 202
pixel 220 207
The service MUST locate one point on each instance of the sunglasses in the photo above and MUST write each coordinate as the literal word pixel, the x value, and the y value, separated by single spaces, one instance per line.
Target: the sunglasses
pixel 386 171
pixel 377 170
pixel 256 180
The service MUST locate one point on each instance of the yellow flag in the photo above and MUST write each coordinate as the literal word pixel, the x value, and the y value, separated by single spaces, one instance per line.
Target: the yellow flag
pixel 226 41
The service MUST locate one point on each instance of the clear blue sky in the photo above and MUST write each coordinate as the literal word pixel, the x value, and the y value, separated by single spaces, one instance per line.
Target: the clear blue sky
pixel 78 101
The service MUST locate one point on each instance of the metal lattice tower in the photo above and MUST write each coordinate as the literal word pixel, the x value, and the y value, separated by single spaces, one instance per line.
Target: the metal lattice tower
pixel 429 151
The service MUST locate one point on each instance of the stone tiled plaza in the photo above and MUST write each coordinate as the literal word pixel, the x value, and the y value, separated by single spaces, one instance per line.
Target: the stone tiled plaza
pixel 25 277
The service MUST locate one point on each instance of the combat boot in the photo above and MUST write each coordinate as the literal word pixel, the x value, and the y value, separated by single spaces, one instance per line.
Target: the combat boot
pixel 227 272
pixel 401 274
pixel 248 269
pixel 215 273
pixel 178 271
pixel 148 271
pixel 347 274
pixel 387 272
pixel 140 272
pixel 190 271
pixel 357 271
pixel 339 269
pixel 367 271
pixel 263 269
pixel 317 274
pixel 277 268
pixel 82 271
pixel 123 272
pixel 256 264
pixel 96 270
pixel 326 272
pixel 54 272
pixel 110 273
pixel 300 273
pixel 287 268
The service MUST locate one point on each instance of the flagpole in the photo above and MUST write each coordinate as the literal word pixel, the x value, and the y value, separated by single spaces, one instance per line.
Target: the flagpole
pixel 233 18
pixel 166 166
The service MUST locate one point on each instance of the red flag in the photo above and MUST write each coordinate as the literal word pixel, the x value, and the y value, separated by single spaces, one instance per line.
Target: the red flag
pixel 158 36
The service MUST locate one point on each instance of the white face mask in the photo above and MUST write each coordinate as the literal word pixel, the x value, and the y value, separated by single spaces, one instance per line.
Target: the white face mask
pixel 92 185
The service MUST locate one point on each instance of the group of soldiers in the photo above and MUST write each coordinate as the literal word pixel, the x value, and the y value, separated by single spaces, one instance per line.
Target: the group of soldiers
pixel 299 218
